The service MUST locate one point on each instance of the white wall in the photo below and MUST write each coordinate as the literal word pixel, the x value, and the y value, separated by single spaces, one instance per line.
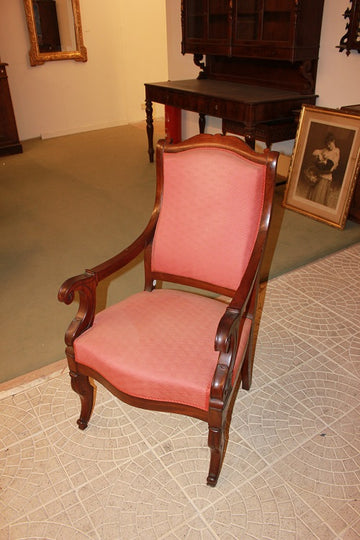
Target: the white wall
pixel 338 79
pixel 126 43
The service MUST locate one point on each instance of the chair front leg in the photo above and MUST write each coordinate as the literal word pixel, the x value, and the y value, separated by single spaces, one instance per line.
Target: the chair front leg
pixel 81 385
pixel 217 444
pixel 219 425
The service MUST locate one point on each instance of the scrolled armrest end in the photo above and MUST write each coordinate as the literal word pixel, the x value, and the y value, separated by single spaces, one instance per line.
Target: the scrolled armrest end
pixel 85 286
pixel 83 282
pixel 225 330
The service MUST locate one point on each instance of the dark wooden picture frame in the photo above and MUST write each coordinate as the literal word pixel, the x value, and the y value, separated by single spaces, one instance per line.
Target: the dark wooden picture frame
pixel 324 165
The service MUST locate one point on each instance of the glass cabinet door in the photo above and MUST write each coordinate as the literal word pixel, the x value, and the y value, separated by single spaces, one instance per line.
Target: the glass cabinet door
pixel 264 28
pixel 248 14
pixel 207 26
pixel 277 20
pixel 218 19
pixel 195 18
pixel 263 20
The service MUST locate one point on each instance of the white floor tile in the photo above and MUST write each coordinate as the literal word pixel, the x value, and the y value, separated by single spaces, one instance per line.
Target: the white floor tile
pixel 291 470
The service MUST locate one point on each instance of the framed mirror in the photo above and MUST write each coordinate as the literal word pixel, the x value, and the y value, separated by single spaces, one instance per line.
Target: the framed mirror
pixel 55 31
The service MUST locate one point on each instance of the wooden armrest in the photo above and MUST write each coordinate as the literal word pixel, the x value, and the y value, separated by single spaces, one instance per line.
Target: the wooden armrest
pixel 231 325
pixel 226 328
pixel 85 284
pixel 128 254
pixel 226 342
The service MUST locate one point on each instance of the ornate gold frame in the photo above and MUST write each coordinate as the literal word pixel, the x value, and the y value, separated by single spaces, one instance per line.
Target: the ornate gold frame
pixel 36 57
pixel 345 128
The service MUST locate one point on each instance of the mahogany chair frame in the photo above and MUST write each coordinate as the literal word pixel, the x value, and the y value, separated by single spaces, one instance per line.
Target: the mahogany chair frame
pixel 242 305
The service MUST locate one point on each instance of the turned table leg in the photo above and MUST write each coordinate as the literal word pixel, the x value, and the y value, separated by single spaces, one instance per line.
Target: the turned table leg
pixel 202 121
pixel 150 129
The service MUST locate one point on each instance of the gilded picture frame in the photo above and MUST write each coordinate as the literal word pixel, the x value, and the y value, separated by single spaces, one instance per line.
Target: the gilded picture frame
pixel 77 52
pixel 324 165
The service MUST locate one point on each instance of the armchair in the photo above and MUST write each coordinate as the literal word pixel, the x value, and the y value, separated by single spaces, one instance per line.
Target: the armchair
pixel 170 349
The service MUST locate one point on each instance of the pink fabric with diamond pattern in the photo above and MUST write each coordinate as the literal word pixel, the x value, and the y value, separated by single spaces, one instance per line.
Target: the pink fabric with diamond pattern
pixel 139 346
pixel 210 215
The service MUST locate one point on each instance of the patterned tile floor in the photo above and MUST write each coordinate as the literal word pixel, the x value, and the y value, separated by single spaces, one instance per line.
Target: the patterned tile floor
pixel 292 469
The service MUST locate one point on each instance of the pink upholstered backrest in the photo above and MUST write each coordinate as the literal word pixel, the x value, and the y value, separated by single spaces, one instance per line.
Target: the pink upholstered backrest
pixel 210 215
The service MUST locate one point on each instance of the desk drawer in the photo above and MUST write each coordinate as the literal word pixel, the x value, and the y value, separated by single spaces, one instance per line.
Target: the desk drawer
pixel 221 108
pixel 202 104
pixel 213 107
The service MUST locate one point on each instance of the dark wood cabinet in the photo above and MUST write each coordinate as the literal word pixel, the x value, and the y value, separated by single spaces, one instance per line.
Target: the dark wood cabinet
pixel 206 27
pixel 281 29
pixel 9 139
pixel 267 42
pixel 258 64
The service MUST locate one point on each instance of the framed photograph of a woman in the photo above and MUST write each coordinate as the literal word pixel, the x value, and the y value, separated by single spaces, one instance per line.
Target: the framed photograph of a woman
pixel 324 165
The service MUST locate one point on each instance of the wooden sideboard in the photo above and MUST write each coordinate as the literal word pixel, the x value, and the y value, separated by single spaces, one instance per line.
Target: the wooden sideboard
pixel 9 139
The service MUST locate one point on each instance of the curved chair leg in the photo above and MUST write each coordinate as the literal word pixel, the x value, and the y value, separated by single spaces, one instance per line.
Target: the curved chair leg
pixel 247 367
pixel 216 442
pixel 81 385
pixel 219 427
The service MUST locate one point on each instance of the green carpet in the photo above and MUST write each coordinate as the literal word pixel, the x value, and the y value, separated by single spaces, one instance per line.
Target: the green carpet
pixel 295 240
pixel 70 203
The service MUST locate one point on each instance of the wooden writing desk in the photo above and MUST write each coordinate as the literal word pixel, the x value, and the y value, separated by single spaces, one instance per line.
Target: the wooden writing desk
pixel 256 112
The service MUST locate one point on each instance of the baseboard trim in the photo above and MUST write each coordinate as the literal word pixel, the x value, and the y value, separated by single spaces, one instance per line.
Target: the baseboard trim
pixel 29 380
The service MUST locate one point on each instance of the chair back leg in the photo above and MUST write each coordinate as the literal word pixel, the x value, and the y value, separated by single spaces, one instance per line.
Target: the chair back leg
pixel 82 386
pixel 248 363
pixel 247 367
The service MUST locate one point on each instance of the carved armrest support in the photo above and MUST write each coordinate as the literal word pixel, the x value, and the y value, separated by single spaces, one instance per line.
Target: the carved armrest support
pixel 226 328
pixel 85 286
pixel 226 343
pixel 229 332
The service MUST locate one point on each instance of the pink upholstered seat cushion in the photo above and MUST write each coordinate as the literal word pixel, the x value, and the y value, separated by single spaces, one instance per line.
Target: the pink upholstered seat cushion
pixel 210 215
pixel 157 345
